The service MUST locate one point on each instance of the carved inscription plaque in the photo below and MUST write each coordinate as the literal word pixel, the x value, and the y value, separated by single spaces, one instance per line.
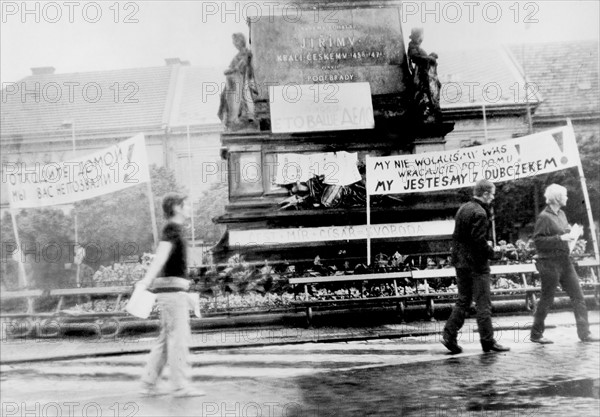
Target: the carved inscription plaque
pixel 331 46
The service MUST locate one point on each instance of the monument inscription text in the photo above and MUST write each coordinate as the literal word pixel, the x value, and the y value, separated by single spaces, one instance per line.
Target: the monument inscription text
pixel 364 45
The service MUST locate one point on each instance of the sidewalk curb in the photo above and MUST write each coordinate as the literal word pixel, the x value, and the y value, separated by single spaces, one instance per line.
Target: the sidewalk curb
pixel 348 337
pixel 211 339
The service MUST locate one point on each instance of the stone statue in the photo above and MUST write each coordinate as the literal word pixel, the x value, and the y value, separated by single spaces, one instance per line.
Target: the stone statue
pixel 236 109
pixel 426 82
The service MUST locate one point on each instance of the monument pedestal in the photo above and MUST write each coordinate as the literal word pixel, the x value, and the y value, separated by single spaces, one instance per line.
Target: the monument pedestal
pixel 311 56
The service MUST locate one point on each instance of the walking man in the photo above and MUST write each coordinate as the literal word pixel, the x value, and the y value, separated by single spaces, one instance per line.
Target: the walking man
pixel 470 254
pixel 167 277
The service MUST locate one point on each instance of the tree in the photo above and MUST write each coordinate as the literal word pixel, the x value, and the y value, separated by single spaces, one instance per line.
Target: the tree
pixel 46 241
pixel 589 149
pixel 210 204
pixel 515 206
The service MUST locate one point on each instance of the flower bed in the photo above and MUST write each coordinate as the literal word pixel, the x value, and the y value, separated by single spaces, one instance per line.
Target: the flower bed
pixel 241 286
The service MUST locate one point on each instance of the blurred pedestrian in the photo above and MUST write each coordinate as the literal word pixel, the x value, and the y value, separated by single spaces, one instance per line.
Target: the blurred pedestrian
pixel 471 254
pixel 170 263
pixel 552 235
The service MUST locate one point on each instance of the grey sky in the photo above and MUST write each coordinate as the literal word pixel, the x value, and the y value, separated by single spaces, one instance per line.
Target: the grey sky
pixel 201 31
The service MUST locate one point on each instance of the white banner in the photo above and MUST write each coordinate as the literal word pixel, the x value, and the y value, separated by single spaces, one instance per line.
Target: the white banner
pixel 333 233
pixel 321 107
pixel 536 154
pixel 45 184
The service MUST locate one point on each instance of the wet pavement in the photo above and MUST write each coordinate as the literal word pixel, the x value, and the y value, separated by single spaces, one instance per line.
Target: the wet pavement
pixel 396 376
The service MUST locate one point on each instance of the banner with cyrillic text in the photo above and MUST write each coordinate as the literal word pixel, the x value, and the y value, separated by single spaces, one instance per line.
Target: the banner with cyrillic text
pixel 524 157
pixel 120 166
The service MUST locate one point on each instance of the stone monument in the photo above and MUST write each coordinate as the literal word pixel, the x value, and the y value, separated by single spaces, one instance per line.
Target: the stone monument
pixel 236 109
pixel 426 83
pixel 350 90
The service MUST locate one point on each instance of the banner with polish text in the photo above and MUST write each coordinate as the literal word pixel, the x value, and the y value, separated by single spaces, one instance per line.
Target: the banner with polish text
pixel 527 156
pixel 120 166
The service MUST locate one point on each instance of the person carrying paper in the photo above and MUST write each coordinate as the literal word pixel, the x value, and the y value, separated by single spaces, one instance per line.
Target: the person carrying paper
pixel 552 235
pixel 173 302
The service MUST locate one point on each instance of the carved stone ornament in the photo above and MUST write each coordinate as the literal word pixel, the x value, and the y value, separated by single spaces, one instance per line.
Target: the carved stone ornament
pixel 236 109
pixel 426 83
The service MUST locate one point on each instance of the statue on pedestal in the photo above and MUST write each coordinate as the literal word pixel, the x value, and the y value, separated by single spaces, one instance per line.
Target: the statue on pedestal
pixel 236 109
pixel 426 82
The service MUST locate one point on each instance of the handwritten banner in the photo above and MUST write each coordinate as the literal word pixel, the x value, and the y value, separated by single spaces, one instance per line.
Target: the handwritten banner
pixel 321 107
pixel 333 233
pixel 112 169
pixel 536 154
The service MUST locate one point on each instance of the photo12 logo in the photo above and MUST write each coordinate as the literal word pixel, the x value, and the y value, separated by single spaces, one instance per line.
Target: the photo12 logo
pixel 70 91
pixel 469 11
pixel 69 11
pixel 68 408
pixel 252 11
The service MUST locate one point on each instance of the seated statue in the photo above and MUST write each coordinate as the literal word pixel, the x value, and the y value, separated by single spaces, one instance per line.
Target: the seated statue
pixel 425 78
pixel 236 109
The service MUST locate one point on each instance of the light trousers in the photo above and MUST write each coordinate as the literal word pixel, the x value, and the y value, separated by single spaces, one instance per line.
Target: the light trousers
pixel 172 346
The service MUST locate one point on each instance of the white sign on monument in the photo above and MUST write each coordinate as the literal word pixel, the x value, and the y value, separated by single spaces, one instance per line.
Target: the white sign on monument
pixel 335 233
pixel 321 107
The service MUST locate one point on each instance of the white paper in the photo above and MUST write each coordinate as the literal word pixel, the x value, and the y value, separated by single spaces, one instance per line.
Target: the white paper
pixel 576 231
pixel 141 302
pixel 194 303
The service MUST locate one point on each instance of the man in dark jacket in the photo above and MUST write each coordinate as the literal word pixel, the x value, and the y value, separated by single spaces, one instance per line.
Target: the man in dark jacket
pixel 470 254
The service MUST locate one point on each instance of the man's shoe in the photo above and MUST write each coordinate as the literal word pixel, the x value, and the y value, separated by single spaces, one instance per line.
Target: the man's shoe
pixel 541 340
pixel 495 347
pixel 188 392
pixel 150 390
pixel 453 347
pixel 590 339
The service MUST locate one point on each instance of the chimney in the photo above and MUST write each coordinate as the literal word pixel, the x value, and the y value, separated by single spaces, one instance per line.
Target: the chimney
pixel 42 70
pixel 172 61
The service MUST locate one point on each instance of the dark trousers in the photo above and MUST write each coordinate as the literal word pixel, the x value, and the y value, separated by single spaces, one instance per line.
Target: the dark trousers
pixel 552 272
pixel 472 286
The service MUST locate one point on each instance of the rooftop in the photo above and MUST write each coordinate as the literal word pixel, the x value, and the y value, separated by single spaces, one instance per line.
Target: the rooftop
pixel 565 73
pixel 177 94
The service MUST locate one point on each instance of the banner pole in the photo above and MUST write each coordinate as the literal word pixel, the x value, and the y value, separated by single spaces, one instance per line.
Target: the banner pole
pixel 152 213
pixel 368 230
pixel 73 210
pixel 493 226
pixel 368 216
pixel 191 183
pixel 22 274
pixel 586 197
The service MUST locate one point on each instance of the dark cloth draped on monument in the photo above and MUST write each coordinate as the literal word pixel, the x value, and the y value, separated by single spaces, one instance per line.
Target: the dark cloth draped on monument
pixel 317 194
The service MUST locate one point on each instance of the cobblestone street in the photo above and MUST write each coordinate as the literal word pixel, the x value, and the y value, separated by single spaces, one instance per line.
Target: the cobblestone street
pixel 383 377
